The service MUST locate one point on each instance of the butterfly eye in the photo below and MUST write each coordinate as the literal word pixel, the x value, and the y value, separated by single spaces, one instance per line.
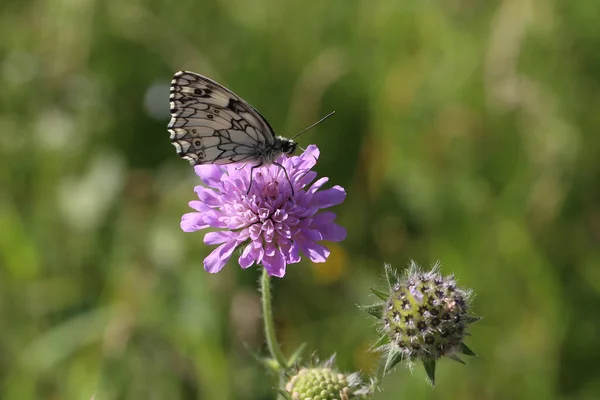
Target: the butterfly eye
pixel 200 155
pixel 197 143
pixel 210 116
pixel 216 112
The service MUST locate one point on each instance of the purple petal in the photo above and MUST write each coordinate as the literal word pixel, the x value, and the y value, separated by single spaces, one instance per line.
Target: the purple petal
pixel 268 230
pixel 242 182
pixel 209 197
pixel 274 264
pixel 279 215
pixel 264 212
pixel 323 218
pixel 289 251
pixel 215 219
pixel 273 188
pixel 292 221
pixel 192 222
pixel 316 252
pixel 312 234
pixel 284 230
pixel 270 249
pixel 329 197
pixel 219 257
pixel 258 249
pixel 258 181
pixel 243 235
pixel 233 186
pixel 236 222
pixel 210 174
pixel 310 156
pixel 303 178
pixel 294 255
pixel 199 206
pixel 248 257
pixel 317 185
pixel 333 232
pixel 255 232
pixel 250 216
pixel 217 237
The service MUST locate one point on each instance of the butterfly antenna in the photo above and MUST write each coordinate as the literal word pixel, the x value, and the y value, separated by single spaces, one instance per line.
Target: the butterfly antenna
pixel 313 125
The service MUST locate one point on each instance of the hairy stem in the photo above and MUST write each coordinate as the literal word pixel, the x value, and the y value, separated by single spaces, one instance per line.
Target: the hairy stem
pixel 274 349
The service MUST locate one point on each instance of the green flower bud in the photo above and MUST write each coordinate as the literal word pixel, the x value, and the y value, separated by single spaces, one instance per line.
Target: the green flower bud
pixel 325 383
pixel 424 317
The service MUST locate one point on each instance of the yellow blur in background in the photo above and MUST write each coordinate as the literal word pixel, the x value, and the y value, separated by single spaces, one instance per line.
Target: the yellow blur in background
pixel 464 131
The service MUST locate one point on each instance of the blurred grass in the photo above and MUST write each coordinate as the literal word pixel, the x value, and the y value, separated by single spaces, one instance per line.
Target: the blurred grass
pixel 464 131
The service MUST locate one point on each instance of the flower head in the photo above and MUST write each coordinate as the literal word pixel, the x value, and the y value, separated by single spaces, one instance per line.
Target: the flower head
pixel 270 220
pixel 424 317
pixel 325 382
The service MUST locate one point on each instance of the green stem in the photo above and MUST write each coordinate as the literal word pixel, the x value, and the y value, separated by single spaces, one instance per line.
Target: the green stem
pixel 272 344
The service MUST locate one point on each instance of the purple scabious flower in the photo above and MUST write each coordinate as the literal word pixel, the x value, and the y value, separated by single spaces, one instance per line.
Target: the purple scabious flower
pixel 272 222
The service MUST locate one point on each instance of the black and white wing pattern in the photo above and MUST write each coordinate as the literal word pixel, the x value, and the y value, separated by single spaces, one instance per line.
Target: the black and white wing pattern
pixel 211 124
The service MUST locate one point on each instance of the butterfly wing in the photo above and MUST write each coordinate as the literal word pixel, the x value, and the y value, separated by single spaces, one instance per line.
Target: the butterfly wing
pixel 211 124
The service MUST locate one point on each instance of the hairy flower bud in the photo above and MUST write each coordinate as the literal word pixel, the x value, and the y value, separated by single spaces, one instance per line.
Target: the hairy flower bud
pixel 424 317
pixel 324 382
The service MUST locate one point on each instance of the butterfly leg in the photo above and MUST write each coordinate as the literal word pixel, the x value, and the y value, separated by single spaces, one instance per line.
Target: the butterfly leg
pixel 286 175
pixel 251 176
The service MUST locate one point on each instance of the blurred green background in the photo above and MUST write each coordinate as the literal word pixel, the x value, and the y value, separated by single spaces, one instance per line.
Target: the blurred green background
pixel 465 131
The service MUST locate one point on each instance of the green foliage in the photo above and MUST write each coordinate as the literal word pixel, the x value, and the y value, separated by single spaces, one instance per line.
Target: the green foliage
pixel 464 131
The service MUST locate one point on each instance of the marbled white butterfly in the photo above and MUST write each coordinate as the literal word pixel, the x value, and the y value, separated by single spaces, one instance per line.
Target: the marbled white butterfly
pixel 212 125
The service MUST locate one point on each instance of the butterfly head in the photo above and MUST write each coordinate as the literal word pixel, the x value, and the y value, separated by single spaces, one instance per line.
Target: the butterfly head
pixel 288 146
